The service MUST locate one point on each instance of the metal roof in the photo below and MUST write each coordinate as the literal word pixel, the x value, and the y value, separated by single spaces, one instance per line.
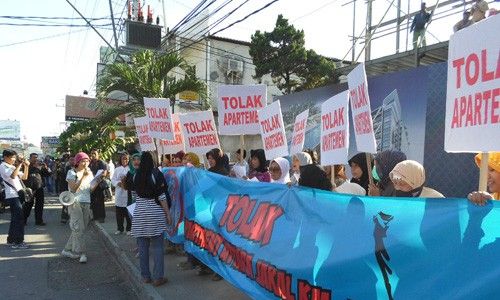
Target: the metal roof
pixel 429 55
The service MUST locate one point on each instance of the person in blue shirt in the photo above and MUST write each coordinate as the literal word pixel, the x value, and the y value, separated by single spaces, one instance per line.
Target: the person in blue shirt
pixel 418 26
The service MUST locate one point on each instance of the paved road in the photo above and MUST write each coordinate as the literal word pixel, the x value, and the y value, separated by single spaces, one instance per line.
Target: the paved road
pixel 41 273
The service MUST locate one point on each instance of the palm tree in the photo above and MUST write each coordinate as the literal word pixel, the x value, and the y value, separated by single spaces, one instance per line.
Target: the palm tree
pixel 149 74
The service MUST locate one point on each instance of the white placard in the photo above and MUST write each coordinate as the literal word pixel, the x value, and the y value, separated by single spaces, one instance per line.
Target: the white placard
pixel 142 131
pixel 473 92
pixel 177 144
pixel 299 132
pixel 199 131
pixel 335 130
pixel 159 116
pixel 238 106
pixel 272 131
pixel 361 111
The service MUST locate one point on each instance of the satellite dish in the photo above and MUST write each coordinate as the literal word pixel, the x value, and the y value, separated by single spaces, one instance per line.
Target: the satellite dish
pixel 214 75
pixel 67 198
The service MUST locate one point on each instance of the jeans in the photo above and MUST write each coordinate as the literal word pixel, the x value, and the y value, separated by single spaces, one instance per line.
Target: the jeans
pixel 121 215
pixel 39 199
pixel 156 243
pixel 16 228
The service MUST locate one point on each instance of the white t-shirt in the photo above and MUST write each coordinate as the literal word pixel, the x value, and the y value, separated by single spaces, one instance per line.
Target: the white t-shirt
pixel 121 195
pixel 5 171
pixel 82 195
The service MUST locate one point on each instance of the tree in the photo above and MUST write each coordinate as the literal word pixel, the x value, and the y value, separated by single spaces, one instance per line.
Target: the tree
pixel 149 74
pixel 282 54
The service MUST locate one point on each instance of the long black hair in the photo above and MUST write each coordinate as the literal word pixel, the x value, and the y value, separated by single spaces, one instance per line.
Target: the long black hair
pixel 220 164
pixel 315 177
pixel 261 156
pixel 143 181
pixel 360 160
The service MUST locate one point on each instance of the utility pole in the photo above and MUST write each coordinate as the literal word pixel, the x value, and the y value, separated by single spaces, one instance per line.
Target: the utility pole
pixel 398 26
pixel 114 27
pixel 368 29
pixel 354 31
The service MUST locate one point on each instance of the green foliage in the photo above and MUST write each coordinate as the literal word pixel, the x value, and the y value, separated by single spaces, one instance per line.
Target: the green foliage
pixel 282 54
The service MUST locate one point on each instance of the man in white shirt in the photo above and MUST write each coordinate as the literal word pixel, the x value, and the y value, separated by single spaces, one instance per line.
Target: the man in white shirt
pixel 10 170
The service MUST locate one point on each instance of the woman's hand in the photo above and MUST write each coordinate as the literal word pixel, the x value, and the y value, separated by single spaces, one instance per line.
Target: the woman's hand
pixel 373 190
pixel 86 173
pixel 479 198
pixel 169 218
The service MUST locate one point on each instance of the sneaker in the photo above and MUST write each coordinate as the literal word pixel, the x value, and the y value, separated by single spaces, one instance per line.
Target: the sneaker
pixel 83 259
pixel 69 254
pixel 118 232
pixel 20 246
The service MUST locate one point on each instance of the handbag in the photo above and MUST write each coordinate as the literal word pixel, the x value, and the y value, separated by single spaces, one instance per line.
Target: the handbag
pixel 25 194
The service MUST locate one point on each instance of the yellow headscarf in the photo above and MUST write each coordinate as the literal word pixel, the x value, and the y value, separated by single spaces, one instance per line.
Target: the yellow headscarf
pixel 494 163
pixel 193 158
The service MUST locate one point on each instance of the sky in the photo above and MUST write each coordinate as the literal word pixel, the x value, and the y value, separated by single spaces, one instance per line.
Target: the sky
pixel 36 75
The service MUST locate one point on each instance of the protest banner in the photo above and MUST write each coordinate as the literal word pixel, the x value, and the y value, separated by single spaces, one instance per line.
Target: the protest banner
pixel 238 106
pixel 159 115
pixel 361 111
pixel 175 145
pixel 259 237
pixel 199 131
pixel 473 89
pixel 142 131
pixel 272 131
pixel 335 130
pixel 299 132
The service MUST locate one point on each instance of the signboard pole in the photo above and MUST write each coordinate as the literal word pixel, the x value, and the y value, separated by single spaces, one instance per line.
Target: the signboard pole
pixel 483 171
pixel 242 144
pixel 369 166
pixel 332 171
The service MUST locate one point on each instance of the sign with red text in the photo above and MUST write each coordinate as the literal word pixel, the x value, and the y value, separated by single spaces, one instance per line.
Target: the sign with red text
pixel 175 145
pixel 272 131
pixel 159 116
pixel 199 131
pixel 473 92
pixel 142 131
pixel 335 130
pixel 361 111
pixel 238 106
pixel 299 132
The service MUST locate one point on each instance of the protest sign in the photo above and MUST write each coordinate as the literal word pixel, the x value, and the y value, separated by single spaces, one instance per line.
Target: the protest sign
pixel 261 239
pixel 473 89
pixel 142 131
pixel 199 131
pixel 177 144
pixel 272 131
pixel 335 130
pixel 299 132
pixel 159 115
pixel 238 106
pixel 361 111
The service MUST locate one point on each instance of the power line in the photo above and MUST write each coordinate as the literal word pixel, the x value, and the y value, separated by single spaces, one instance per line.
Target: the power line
pixel 317 9
pixel 53 18
pixel 52 25
pixel 42 38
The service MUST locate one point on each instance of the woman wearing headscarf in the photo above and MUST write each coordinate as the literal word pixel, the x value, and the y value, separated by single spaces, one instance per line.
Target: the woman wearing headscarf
pixel 258 162
pixel 299 160
pixel 408 179
pixel 121 195
pixel 280 170
pixel 191 160
pixel 79 183
pixel 151 216
pixel 480 198
pixel 133 164
pixel 314 176
pixel 385 161
pixel 359 170
pixel 216 162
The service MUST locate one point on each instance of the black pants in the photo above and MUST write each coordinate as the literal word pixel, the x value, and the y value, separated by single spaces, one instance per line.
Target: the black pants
pixel 121 214
pixel 97 204
pixel 38 200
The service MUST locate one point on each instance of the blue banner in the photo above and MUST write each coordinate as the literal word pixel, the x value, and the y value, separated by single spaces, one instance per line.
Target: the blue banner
pixel 272 241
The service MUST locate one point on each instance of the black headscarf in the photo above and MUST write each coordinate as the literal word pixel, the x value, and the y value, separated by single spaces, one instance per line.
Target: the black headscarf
pixel 261 156
pixel 386 161
pixel 360 160
pixel 315 177
pixel 219 167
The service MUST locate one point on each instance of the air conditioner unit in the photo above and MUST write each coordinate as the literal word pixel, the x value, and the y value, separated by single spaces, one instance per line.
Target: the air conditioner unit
pixel 234 66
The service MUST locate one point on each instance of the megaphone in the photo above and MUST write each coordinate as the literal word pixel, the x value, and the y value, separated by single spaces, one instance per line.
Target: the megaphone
pixel 67 198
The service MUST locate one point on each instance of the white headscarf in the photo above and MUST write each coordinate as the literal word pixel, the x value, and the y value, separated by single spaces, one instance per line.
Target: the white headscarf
pixel 285 170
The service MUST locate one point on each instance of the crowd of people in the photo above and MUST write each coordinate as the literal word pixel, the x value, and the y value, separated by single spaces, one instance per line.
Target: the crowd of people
pixel 138 179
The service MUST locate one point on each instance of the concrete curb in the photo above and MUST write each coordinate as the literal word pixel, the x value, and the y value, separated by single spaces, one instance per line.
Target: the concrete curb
pixel 132 273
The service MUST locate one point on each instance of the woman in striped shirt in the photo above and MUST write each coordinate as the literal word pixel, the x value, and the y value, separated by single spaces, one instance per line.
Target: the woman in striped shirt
pixel 151 216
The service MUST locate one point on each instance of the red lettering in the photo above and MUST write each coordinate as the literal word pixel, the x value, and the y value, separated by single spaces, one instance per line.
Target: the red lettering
pixel 485 75
pixel 455 121
pixel 457 64
pixel 274 280
pixel 307 291
pixel 471 77
pixel 495 104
